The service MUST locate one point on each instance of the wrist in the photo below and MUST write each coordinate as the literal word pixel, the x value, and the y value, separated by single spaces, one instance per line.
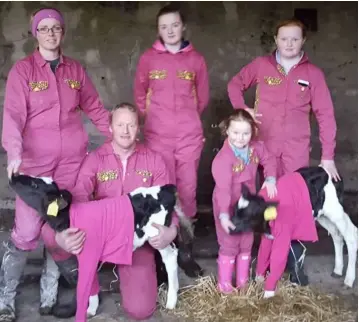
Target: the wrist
pixel 223 216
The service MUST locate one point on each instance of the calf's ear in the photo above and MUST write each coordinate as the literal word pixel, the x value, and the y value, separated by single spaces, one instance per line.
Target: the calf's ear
pixel 245 191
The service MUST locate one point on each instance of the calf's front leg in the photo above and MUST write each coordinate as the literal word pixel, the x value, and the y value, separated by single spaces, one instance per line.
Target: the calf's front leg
pixel 169 257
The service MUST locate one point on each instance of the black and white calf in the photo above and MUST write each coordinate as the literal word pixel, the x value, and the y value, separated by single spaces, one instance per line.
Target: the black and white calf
pixel 325 205
pixel 104 222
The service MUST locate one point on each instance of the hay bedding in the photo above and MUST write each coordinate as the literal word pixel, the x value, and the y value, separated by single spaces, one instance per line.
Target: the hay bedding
pixel 203 303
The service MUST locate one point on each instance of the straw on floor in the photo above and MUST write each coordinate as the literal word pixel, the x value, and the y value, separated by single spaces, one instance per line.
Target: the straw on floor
pixel 202 302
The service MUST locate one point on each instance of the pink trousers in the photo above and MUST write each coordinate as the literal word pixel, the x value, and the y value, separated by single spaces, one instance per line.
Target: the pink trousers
pixel 182 160
pixel 233 245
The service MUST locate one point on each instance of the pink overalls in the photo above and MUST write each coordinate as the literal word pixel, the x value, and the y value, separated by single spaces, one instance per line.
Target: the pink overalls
pixel 103 175
pixel 229 172
pixel 172 91
pixel 294 221
pixel 285 103
pixel 42 126
pixel 109 226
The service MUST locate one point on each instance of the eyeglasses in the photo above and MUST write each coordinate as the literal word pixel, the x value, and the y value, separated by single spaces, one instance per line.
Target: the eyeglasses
pixel 45 30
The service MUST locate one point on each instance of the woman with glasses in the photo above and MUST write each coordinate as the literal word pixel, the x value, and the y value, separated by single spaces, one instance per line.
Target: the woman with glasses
pixel 43 135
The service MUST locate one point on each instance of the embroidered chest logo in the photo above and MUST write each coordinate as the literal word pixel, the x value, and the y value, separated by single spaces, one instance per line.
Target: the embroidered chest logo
pixel 157 74
pixel 239 167
pixel 39 86
pixel 272 81
pixel 146 175
pixel 104 176
pixel 73 83
pixel 281 69
pixel 186 75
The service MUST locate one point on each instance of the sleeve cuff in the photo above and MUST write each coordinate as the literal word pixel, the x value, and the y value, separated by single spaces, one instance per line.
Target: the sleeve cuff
pixel 271 180
pixel 223 215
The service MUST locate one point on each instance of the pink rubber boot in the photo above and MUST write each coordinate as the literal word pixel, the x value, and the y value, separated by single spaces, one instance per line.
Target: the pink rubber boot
pixel 225 272
pixel 243 268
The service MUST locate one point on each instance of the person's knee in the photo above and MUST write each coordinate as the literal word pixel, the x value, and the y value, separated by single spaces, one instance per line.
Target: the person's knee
pixel 138 285
pixel 26 241
pixel 140 311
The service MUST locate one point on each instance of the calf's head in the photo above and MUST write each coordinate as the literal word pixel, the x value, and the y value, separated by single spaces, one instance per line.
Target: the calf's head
pixel 252 213
pixel 146 202
pixel 43 195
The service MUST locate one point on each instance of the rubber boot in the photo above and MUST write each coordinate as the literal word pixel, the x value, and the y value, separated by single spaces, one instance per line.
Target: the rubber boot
pixel 69 269
pixel 243 265
pixel 295 264
pixel 225 273
pixel 49 284
pixel 12 268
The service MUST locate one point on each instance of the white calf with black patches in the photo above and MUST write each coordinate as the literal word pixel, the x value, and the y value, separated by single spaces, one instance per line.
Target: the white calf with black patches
pixel 149 206
pixel 326 200
pixel 168 254
pixel 336 221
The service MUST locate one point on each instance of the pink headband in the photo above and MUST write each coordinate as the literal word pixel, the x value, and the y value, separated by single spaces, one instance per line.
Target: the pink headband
pixel 43 14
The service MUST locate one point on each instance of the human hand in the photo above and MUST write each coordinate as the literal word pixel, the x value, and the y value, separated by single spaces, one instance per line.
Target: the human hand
pixel 254 115
pixel 13 167
pixel 329 165
pixel 71 240
pixel 271 189
pixel 165 236
pixel 227 224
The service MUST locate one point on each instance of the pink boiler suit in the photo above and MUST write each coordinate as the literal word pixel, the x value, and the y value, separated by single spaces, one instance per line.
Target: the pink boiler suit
pixel 229 172
pixel 285 105
pixel 103 175
pixel 109 227
pixel 42 126
pixel 172 91
pixel 294 221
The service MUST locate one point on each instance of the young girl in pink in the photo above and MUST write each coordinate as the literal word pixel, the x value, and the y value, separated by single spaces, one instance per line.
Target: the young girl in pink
pixel 237 163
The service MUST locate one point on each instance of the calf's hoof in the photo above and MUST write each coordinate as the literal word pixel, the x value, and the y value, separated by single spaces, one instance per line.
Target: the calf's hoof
pixel 335 275
pixel 349 282
pixel 7 315
pixel 45 310
pixel 300 278
pixel 94 303
pixel 171 302
pixel 189 265
pixel 268 294
pixel 64 311
pixel 193 270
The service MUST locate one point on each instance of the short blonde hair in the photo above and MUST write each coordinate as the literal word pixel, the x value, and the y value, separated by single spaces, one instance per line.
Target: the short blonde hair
pixel 132 108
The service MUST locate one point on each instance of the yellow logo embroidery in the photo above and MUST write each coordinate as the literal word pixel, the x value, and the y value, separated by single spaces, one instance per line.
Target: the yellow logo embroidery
pixel 186 75
pixel 157 74
pixel 281 69
pixel 73 83
pixel 145 174
pixel 148 99
pixel 104 176
pixel 39 86
pixel 238 167
pixel 252 158
pixel 272 80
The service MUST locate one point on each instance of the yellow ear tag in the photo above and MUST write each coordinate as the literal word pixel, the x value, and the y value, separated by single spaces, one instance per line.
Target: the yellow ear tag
pixel 53 208
pixel 270 214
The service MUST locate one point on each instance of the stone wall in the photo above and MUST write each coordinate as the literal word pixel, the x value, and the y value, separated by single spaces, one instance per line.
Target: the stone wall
pixel 108 39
